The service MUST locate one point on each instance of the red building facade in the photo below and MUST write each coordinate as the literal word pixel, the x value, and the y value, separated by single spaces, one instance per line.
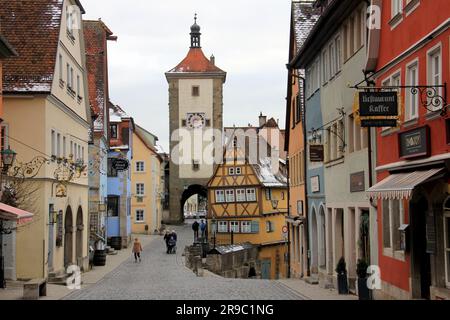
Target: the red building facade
pixel 413 159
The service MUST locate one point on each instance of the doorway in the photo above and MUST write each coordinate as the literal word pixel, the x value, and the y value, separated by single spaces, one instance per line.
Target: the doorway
pixel 79 237
pixel 68 237
pixel 420 259
pixel 265 269
pixel 51 209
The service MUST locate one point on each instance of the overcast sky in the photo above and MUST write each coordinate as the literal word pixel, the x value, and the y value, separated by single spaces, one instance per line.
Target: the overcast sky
pixel 249 39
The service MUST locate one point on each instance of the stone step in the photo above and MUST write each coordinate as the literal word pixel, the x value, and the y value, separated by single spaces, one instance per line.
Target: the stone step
pixel 312 280
pixel 58 279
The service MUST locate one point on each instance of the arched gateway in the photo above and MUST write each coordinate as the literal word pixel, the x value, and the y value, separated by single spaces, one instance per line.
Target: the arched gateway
pixel 195 107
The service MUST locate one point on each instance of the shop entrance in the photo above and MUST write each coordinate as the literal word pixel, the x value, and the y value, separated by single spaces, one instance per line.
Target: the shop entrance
pixel 420 259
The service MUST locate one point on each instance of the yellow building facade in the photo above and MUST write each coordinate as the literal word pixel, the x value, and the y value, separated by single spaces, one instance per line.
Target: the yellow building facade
pixel 49 119
pixel 147 189
pixel 248 203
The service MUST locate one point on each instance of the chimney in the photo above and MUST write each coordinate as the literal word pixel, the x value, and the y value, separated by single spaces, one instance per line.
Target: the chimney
pixel 213 60
pixel 262 119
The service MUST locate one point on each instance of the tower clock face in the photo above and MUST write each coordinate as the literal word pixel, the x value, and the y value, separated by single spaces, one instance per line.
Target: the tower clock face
pixel 195 120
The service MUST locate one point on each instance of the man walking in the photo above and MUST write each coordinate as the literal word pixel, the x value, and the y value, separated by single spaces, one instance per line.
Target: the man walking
pixel 195 227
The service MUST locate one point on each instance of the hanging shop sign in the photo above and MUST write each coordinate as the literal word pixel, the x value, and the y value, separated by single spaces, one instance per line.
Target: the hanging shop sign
pixel 415 143
pixel 316 153
pixel 374 104
pixel 120 164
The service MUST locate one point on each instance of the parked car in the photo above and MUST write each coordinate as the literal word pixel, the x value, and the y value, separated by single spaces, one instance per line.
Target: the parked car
pixel 201 214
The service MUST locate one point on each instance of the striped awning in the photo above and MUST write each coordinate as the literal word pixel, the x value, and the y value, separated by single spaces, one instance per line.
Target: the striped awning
pixel 9 213
pixel 401 185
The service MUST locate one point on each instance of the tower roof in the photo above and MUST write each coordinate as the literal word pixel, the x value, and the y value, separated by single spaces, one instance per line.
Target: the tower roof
pixel 196 61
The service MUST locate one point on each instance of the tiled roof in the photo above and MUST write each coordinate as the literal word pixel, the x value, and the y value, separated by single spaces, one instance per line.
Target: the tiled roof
pixel 95 35
pixel 196 61
pixel 305 16
pixel 32 28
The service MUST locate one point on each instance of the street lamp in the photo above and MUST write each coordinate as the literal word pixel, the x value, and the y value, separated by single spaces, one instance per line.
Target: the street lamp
pixel 8 158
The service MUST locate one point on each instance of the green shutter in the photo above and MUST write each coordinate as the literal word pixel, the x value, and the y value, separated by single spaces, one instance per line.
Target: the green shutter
pixel 255 226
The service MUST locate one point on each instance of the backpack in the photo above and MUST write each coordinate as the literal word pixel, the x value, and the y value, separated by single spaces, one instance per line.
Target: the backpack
pixel 172 241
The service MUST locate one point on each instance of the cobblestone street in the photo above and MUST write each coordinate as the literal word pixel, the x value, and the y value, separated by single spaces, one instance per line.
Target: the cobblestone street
pixel 162 276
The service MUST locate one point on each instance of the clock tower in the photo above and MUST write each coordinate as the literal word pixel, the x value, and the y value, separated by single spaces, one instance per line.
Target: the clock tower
pixel 195 110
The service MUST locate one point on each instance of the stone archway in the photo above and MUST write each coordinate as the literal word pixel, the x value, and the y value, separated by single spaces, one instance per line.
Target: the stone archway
pixel 322 238
pixel 68 237
pixel 189 192
pixel 79 237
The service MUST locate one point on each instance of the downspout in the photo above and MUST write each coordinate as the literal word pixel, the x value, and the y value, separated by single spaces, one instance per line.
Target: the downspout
pixel 289 214
pixel 305 157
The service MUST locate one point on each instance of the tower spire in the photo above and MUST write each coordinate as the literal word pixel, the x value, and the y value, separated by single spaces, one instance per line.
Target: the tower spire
pixel 195 34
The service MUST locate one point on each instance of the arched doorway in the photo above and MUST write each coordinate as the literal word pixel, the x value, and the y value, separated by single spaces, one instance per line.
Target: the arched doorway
pixel 68 237
pixel 194 190
pixel 314 240
pixel 79 236
pixel 322 240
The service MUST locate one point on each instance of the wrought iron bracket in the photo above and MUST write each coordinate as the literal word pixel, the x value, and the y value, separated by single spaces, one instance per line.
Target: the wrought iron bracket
pixel 431 97
pixel 326 127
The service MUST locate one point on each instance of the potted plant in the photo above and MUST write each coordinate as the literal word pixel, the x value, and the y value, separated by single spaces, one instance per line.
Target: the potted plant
pixel 361 271
pixel 341 270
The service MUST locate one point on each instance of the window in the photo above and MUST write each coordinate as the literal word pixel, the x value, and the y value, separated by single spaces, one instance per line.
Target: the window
pixel 113 206
pixel 222 226
pixel 53 142
pixel 79 152
pixel 345 34
pixel 195 91
pixel 82 154
pixel 324 67
pixel 363 19
pixel 338 54
pixel 238 171
pixel 393 212
pixel 4 143
pixel 140 166
pixel 435 70
pixel 269 226
pixel 113 129
pixel 58 145
pixel 231 171
pixel 60 68
pixel 331 59
pixel 251 194
pixel 246 227
pixel 78 86
pixel 234 226
pixel 240 195
pixel 229 195
pixel 412 100
pixel 268 194
pixel 139 215
pixel 140 189
pixel 220 196
pixel 71 149
pixel 396 7
pixel 68 75
pixel 64 147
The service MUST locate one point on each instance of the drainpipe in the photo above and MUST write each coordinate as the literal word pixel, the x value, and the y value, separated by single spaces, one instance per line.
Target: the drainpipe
pixel 289 214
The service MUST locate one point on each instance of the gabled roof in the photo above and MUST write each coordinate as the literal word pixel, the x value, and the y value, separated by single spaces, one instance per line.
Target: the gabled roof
pixel 32 27
pixel 148 139
pixel 196 61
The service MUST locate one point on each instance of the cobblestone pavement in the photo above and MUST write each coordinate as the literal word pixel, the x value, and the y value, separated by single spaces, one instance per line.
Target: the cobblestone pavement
pixel 164 277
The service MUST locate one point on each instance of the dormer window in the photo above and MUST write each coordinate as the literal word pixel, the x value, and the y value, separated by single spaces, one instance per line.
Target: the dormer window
pixel 113 129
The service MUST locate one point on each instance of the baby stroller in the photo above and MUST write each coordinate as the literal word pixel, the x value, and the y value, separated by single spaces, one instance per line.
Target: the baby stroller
pixel 172 245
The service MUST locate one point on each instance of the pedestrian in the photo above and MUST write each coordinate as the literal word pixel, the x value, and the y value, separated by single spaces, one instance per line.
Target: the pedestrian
pixel 195 227
pixel 137 249
pixel 203 228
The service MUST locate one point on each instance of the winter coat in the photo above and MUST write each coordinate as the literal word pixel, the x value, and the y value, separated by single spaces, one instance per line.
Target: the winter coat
pixel 137 247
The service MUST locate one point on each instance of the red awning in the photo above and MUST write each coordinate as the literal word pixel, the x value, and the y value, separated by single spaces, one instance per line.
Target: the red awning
pixel 14 214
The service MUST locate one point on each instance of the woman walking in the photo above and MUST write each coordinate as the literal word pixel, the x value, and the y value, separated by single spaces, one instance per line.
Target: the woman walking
pixel 137 249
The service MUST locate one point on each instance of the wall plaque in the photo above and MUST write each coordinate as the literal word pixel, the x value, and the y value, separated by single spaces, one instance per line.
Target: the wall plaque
pixel 357 182
pixel 315 184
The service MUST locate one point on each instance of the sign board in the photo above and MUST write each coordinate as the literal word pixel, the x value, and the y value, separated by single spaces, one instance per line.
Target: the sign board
pixel 366 123
pixel 315 184
pixel 120 164
pixel 374 104
pixel 316 153
pixel 414 143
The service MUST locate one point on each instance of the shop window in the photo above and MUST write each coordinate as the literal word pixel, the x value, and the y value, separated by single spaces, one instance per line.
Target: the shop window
pixel 393 212
pixel 113 206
